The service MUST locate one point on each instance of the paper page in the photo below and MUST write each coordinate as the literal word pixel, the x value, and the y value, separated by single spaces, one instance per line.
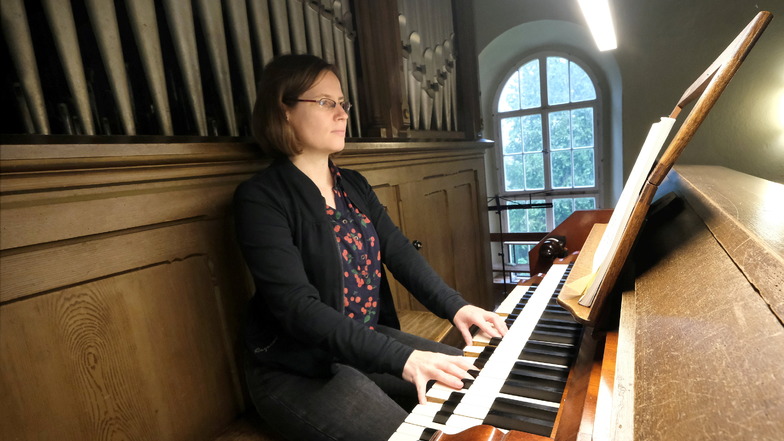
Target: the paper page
pixel 623 210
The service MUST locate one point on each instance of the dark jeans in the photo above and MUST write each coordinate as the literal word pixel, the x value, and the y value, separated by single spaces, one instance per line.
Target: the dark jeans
pixel 351 405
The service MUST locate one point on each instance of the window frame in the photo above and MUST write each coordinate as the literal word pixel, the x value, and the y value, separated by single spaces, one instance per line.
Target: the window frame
pixel 549 193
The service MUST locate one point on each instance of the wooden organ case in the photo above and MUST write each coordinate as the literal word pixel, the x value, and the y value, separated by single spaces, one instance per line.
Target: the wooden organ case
pixel 680 292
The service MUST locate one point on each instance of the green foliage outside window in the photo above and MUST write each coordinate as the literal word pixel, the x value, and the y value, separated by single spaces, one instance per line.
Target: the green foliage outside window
pixel 547 147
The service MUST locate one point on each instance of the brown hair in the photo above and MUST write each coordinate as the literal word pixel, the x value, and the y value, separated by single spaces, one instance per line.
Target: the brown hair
pixel 283 81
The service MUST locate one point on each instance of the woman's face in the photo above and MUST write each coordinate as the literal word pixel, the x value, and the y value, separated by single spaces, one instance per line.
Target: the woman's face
pixel 320 129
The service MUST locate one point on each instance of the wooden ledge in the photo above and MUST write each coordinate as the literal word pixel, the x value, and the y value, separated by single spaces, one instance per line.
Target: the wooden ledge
pixel 424 324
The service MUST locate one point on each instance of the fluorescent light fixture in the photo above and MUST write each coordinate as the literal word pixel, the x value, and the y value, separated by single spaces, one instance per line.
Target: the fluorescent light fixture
pixel 597 14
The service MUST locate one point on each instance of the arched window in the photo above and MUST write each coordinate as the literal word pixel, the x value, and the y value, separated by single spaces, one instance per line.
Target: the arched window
pixel 548 117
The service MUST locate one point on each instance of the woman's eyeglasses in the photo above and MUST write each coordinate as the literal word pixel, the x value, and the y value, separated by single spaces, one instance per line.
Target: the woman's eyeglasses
pixel 326 103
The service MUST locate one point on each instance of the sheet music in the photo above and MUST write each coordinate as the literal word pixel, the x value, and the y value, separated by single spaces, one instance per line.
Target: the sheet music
pixel 620 218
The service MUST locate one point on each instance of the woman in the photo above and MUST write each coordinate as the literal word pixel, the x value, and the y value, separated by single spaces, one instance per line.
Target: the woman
pixel 327 359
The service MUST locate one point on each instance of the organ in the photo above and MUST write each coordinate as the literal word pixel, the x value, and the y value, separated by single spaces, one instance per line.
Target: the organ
pixel 92 243
pixel 664 371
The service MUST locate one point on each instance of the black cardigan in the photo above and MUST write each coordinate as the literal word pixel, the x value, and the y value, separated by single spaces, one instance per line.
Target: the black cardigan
pixel 295 320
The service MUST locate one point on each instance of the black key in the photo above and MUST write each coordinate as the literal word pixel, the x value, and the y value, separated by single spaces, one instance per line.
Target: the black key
pixel 510 417
pixel 551 346
pixel 467 382
pixel 557 326
pixel 427 434
pixel 530 387
pixel 544 352
pixel 448 408
pixel 552 306
pixel 569 338
pixel 546 356
pixel 564 322
pixel 533 370
pixel 557 315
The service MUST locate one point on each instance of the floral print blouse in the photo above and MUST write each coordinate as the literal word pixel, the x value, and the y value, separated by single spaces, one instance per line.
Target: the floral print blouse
pixel 360 256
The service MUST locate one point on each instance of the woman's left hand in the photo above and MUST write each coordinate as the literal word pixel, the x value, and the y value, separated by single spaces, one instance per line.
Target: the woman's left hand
pixel 489 322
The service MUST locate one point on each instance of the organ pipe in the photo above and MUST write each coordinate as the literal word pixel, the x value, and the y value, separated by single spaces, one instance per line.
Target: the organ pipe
pixel 17 33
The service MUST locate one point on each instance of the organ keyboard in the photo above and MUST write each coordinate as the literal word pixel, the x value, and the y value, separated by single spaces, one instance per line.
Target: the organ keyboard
pixel 520 379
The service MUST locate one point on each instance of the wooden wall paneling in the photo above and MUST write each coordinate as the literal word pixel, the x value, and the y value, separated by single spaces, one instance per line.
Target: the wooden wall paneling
pixel 70 213
pixel 442 213
pixel 122 294
pixel 82 221
pixel 389 197
pixel 425 208
pixel 464 213
pixel 140 354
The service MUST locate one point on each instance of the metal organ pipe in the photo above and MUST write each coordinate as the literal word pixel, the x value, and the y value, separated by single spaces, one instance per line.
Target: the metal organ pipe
pixel 179 14
pixel 17 33
pixel 258 29
pixel 104 21
pixel 60 17
pixel 145 30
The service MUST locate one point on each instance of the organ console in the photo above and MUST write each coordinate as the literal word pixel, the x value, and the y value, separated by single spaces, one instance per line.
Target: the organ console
pixel 565 371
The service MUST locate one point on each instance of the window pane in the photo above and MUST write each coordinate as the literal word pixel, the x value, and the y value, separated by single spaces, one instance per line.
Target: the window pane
pixel 561 169
pixel 524 221
pixel 511 135
pixel 584 170
pixel 585 203
pixel 518 254
pixel 532 133
pixel 537 218
pixel 510 95
pixel 513 173
pixel 557 80
pixel 534 171
pixel 562 208
pixel 582 127
pixel 559 130
pixel 531 88
pixel 517 221
pixel 581 85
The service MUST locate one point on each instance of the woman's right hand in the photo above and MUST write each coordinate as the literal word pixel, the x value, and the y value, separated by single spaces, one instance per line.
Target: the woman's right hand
pixel 423 366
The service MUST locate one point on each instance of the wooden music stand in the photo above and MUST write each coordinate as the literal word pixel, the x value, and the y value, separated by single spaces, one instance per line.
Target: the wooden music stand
pixel 586 306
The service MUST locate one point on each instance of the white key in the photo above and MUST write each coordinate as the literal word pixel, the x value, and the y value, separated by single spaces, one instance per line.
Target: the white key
pixel 481 339
pixel 429 410
pixel 473 351
pixel 397 436
pixel 410 429
pixel 487 385
pixel 512 300
pixel 439 393
pixel 423 421
pixel 459 423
